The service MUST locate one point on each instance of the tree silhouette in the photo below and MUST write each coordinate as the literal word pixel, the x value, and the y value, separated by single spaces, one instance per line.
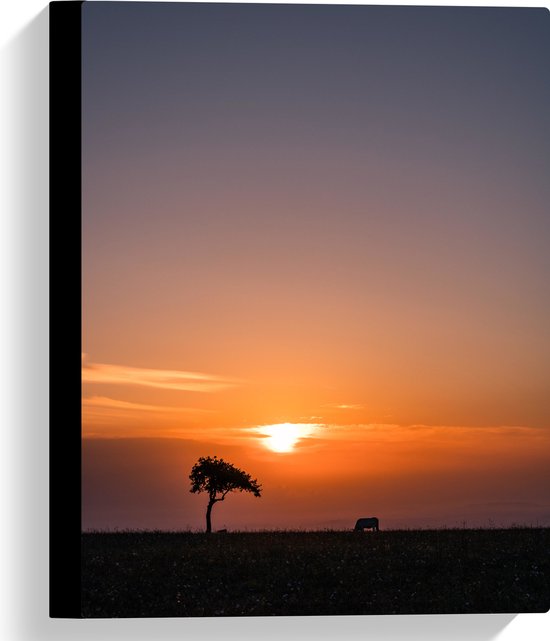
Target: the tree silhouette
pixel 218 477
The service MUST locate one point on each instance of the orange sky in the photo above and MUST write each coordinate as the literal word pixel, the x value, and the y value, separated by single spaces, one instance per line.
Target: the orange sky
pixel 344 237
pixel 323 467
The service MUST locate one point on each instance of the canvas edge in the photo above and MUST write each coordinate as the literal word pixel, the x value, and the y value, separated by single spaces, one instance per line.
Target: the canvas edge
pixel 65 305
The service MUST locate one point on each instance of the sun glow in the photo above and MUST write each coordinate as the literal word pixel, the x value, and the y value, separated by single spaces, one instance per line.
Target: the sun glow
pixel 283 437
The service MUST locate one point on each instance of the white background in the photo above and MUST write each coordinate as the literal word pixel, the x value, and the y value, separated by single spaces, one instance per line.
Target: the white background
pixel 24 357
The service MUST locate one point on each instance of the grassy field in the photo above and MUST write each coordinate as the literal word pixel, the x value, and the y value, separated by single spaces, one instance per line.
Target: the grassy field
pixel 161 574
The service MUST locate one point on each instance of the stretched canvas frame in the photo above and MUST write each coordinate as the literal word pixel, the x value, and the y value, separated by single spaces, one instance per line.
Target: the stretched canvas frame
pixel 67 171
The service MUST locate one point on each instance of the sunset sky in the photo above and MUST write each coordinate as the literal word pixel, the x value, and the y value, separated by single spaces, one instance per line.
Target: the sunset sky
pixel 315 243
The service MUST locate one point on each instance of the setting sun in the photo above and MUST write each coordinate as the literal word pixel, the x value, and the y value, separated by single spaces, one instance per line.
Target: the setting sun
pixel 283 437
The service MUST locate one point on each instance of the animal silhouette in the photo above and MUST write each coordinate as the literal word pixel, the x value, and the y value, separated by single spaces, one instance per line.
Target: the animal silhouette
pixel 367 523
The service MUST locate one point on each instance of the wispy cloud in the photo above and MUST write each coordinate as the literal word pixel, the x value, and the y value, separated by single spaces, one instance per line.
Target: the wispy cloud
pixel 112 403
pixel 345 406
pixel 104 373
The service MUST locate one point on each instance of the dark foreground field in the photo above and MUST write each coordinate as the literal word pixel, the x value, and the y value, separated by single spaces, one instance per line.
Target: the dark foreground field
pixel 155 574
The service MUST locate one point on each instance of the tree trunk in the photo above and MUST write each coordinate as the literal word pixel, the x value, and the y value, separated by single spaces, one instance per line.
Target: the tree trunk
pixel 208 517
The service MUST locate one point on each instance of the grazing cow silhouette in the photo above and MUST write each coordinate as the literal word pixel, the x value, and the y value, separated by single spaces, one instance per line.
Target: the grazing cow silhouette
pixel 370 523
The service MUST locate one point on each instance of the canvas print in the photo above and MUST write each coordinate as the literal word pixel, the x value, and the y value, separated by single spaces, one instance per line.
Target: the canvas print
pixel 315 312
